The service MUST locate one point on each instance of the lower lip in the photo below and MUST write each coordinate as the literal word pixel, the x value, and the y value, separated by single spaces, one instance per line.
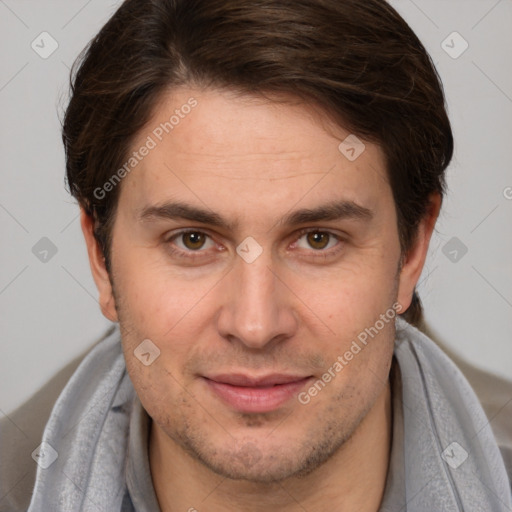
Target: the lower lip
pixel 256 399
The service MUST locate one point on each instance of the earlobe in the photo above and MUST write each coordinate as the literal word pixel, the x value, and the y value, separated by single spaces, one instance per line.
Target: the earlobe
pixel 98 268
pixel 414 260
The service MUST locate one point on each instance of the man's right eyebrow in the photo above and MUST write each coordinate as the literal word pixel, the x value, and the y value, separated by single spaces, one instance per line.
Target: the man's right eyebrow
pixel 179 210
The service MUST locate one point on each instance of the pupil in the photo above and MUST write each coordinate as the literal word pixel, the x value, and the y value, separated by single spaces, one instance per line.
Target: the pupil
pixel 318 240
pixel 195 240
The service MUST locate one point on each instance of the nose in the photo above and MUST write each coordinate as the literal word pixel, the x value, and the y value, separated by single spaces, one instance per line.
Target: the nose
pixel 257 307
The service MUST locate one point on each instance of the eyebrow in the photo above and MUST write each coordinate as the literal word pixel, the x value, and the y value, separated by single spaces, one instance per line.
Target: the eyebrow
pixel 336 210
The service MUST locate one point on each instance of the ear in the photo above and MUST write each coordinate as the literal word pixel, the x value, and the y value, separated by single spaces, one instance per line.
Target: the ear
pixel 417 254
pixel 98 269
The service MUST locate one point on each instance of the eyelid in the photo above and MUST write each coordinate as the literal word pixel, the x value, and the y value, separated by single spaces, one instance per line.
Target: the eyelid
pixel 190 254
pixel 189 230
pixel 321 252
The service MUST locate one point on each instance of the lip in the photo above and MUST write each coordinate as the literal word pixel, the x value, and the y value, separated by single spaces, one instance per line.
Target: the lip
pixel 256 394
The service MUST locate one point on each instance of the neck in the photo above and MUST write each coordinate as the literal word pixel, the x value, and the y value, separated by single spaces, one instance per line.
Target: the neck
pixel 353 479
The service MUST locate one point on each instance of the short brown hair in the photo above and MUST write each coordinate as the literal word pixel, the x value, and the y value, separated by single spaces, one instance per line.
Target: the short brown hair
pixel 357 61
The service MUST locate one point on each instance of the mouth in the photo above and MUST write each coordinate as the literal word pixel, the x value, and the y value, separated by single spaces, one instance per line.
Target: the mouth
pixel 255 394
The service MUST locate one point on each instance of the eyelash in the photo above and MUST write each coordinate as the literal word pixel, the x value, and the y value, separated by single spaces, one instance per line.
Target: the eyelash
pixel 318 253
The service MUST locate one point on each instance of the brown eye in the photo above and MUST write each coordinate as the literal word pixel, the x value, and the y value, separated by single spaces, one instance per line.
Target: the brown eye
pixel 193 240
pixel 322 242
pixel 318 239
pixel 191 246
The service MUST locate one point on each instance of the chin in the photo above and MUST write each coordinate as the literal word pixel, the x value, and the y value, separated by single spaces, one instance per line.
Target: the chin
pixel 258 462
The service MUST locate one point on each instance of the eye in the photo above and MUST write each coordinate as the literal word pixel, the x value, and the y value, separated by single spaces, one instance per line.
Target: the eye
pixel 317 240
pixel 191 241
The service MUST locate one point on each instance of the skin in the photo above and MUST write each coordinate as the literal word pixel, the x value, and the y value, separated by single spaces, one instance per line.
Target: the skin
pixel 294 309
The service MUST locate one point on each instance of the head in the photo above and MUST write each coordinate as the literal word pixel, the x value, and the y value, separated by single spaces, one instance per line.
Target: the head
pixel 241 108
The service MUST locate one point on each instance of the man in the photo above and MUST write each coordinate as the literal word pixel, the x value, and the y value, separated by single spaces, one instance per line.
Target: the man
pixel 258 183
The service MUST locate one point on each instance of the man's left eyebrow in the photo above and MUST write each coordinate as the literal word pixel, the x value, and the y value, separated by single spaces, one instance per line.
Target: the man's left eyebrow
pixel 337 210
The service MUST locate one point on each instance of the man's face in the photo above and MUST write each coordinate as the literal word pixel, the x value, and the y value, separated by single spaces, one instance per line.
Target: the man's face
pixel 229 321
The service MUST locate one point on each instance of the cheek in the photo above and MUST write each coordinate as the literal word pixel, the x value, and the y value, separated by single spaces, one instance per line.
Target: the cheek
pixel 156 301
pixel 352 297
pixel 350 305
pixel 159 392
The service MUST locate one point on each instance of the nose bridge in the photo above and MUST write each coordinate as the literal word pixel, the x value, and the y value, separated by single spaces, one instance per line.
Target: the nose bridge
pixel 256 311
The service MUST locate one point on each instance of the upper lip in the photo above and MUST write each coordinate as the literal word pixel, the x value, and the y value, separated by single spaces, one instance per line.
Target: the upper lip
pixel 240 379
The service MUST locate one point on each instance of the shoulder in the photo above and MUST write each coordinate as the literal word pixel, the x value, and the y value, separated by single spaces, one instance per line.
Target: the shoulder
pixel 21 432
pixel 493 392
pixel 495 395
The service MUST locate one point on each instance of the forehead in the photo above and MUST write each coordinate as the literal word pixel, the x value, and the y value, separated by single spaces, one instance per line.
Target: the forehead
pixel 221 149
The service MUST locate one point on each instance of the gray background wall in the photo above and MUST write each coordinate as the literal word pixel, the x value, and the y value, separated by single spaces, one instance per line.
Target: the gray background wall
pixel 49 312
